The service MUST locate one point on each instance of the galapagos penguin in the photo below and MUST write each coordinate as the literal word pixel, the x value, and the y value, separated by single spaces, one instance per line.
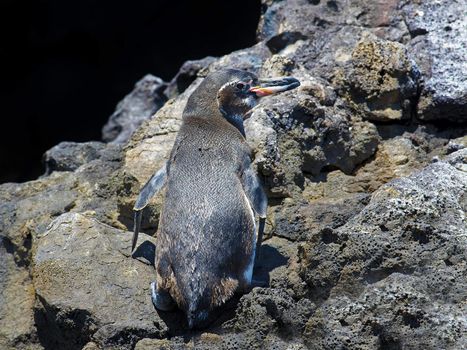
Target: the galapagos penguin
pixel 207 238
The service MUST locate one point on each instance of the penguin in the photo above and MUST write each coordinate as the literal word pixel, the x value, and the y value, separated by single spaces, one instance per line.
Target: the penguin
pixel 208 239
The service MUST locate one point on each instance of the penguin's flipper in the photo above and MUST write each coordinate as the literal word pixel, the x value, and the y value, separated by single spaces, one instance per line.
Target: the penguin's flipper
pixel 258 201
pixel 254 191
pixel 149 190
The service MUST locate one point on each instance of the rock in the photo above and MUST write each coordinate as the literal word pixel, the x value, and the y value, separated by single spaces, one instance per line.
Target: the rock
pixel 439 45
pixel 189 71
pixel 298 220
pixel 395 313
pixel 380 79
pixel 89 288
pixel 69 156
pixel 402 150
pixel 320 36
pixel 24 214
pixel 17 328
pixel 294 134
pixel 250 59
pixel 95 187
pixel 365 237
pixel 292 20
pixel 398 263
pixel 262 315
pixel 146 98
pixel 151 344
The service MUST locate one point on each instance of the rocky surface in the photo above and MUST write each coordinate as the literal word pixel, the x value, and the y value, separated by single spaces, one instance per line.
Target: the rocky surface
pixel 439 45
pixel 365 166
pixel 146 98
pixel 90 288
pixel 380 79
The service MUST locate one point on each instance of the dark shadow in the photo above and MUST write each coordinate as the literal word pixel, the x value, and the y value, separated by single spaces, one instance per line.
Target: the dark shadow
pixel 175 321
pixel 269 259
pixel 62 329
pixel 145 252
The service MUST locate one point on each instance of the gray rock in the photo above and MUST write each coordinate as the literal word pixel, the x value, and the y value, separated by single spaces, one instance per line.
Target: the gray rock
pixel 250 59
pixel 146 98
pixel 396 313
pixel 189 71
pixel 69 156
pixel 392 274
pixel 320 36
pixel 439 44
pixel 89 288
pixel 291 20
pixel 298 220
pixel 263 315
pixel 17 328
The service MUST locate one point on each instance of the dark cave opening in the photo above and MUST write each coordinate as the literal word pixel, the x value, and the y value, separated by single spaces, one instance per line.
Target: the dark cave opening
pixel 67 64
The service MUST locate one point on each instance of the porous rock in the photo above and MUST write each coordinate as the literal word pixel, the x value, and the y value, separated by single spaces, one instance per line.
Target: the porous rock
pixel 404 251
pixel 187 74
pixel 17 329
pixel 380 79
pixel 439 45
pixel 294 134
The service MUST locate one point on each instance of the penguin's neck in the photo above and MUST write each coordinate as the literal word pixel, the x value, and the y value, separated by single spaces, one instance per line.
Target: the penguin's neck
pixel 234 119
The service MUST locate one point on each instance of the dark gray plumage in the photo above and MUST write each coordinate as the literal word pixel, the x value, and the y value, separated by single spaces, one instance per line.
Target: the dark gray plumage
pixel 207 234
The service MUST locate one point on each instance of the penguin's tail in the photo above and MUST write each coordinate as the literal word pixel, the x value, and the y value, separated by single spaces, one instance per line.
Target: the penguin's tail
pixel 196 318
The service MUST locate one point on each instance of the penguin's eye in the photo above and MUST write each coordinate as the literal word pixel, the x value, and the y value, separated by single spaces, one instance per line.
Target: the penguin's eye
pixel 240 86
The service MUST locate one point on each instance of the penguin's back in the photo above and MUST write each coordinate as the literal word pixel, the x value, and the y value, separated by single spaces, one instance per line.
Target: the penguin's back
pixel 207 227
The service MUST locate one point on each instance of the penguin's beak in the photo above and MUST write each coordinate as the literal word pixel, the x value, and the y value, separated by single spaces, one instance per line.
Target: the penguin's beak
pixel 273 86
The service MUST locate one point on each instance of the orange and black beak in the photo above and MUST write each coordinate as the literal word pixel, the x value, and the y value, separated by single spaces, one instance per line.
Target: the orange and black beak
pixel 273 86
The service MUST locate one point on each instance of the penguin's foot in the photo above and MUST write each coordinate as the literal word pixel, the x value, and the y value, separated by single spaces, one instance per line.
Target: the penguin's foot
pixel 161 299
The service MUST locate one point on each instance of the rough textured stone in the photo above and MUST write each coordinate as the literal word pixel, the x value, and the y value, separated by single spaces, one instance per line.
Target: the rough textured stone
pixel 89 288
pixel 397 264
pixel 250 59
pixel 151 144
pixel 347 261
pixel 320 35
pixel 380 79
pixel 69 156
pixel 439 44
pixel 284 22
pixel 17 330
pixel 294 134
pixel 299 221
pixel 146 98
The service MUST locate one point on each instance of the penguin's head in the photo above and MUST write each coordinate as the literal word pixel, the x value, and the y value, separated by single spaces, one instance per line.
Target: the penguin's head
pixel 237 97
pixel 232 93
